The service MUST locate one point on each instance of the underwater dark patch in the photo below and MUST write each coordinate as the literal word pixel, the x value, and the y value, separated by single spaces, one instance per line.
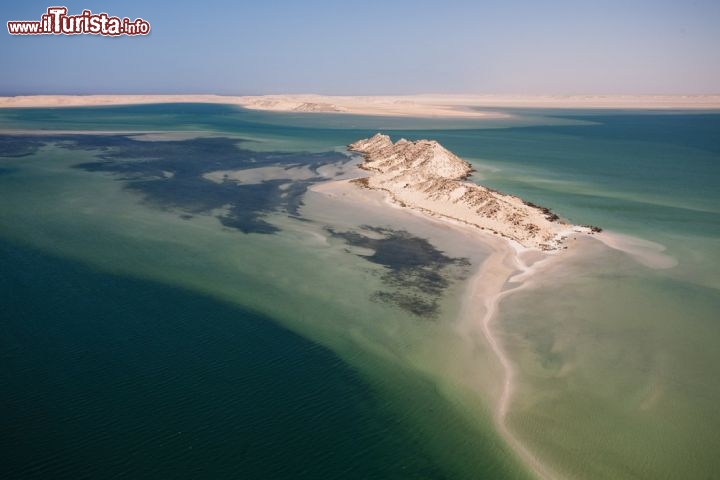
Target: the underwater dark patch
pixel 416 273
pixel 18 146
pixel 170 174
pixel 413 303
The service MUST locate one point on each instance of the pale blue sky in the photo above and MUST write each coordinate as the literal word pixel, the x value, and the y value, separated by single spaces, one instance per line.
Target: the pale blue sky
pixel 374 47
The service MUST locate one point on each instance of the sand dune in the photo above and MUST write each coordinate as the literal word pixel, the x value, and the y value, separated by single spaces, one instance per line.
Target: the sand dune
pixel 446 106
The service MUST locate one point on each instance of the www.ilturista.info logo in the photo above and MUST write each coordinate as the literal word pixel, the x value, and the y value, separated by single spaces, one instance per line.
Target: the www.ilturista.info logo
pixel 57 22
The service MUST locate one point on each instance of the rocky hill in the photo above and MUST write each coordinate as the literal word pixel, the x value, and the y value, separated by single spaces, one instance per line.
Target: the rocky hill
pixel 425 176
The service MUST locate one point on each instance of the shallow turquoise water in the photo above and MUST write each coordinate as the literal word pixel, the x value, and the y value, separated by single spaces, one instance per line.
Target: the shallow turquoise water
pixel 134 288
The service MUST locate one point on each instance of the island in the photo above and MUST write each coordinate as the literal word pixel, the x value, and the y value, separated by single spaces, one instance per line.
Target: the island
pixel 425 176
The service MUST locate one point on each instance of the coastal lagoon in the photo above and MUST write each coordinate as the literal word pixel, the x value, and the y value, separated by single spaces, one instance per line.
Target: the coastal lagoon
pixel 185 296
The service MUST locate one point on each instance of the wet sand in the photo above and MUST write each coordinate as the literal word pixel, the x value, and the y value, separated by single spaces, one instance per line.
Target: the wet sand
pixel 508 264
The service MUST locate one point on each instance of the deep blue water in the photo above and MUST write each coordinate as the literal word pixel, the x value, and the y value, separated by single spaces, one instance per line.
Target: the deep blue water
pixel 105 376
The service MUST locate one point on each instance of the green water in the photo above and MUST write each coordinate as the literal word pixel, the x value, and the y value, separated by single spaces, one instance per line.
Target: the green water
pixel 145 301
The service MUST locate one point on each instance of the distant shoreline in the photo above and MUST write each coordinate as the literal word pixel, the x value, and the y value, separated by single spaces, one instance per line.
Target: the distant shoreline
pixel 439 106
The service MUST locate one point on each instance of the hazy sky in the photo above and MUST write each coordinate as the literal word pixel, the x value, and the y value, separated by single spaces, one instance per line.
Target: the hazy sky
pixel 374 47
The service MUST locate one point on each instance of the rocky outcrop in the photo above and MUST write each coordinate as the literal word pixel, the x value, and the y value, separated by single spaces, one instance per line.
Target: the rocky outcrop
pixel 425 176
